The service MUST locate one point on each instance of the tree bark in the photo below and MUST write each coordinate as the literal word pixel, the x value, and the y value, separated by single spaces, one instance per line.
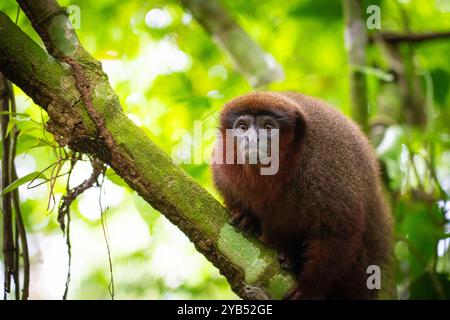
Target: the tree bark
pixel 85 114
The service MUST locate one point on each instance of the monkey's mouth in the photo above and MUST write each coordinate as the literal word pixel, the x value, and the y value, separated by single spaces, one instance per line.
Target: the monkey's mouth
pixel 252 156
pixel 256 157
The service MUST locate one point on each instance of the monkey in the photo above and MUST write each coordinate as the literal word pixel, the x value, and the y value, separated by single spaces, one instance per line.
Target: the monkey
pixel 324 209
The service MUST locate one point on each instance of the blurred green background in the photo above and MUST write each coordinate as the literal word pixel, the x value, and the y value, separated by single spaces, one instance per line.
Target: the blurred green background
pixel 168 73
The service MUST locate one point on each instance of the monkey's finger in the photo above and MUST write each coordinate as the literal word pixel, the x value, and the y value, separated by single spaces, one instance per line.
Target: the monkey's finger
pixel 286 266
pixel 246 224
pixel 294 294
pixel 254 229
pixel 236 218
pixel 257 231
pixel 285 262
pixel 250 229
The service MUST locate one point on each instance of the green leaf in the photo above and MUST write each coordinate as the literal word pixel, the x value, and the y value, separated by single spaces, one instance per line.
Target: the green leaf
pixel 422 227
pixel 27 142
pixel 329 11
pixel 429 286
pixel 29 177
pixel 441 85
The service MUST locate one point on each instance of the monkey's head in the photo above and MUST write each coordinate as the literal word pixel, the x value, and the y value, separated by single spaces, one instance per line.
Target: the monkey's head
pixel 260 129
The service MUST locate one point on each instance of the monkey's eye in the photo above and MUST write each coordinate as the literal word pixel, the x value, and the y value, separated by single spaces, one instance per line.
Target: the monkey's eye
pixel 242 127
pixel 269 126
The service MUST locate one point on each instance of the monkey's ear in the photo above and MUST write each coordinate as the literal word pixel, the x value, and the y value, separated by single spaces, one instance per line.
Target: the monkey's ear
pixel 300 126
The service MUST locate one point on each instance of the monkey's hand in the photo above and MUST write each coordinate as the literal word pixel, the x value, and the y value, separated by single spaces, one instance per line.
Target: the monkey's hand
pixel 245 222
pixel 286 261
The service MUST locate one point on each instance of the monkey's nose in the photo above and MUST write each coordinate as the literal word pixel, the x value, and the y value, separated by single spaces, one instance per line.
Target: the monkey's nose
pixel 252 136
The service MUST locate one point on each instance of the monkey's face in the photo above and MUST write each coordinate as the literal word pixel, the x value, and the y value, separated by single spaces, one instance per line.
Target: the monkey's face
pixel 255 136
pixel 259 130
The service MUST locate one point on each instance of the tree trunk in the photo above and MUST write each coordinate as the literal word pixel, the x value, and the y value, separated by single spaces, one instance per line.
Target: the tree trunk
pixel 355 43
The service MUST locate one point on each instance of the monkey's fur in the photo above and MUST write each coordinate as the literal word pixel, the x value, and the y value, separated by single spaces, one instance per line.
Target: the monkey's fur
pixel 324 210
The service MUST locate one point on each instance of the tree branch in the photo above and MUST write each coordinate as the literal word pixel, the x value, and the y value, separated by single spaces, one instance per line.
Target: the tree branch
pixel 85 114
pixel 355 42
pixel 393 37
pixel 255 64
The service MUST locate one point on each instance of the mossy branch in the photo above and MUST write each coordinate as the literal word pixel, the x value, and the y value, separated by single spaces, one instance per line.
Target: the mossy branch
pixel 85 114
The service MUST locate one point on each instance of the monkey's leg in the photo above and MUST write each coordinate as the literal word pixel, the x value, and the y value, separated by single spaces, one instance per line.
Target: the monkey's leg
pixel 245 222
pixel 327 261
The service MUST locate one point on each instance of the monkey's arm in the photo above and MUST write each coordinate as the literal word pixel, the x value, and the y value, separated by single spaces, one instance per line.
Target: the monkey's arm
pixel 241 216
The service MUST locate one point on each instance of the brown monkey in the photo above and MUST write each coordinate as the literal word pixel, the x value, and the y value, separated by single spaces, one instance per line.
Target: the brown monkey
pixel 323 209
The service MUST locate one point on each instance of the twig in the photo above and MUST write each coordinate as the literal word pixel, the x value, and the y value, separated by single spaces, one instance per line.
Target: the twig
pixel 23 241
pixel 8 238
pixel 393 37
pixel 20 227
pixel 17 14
pixel 106 237
pixel 66 201
pixel 16 261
